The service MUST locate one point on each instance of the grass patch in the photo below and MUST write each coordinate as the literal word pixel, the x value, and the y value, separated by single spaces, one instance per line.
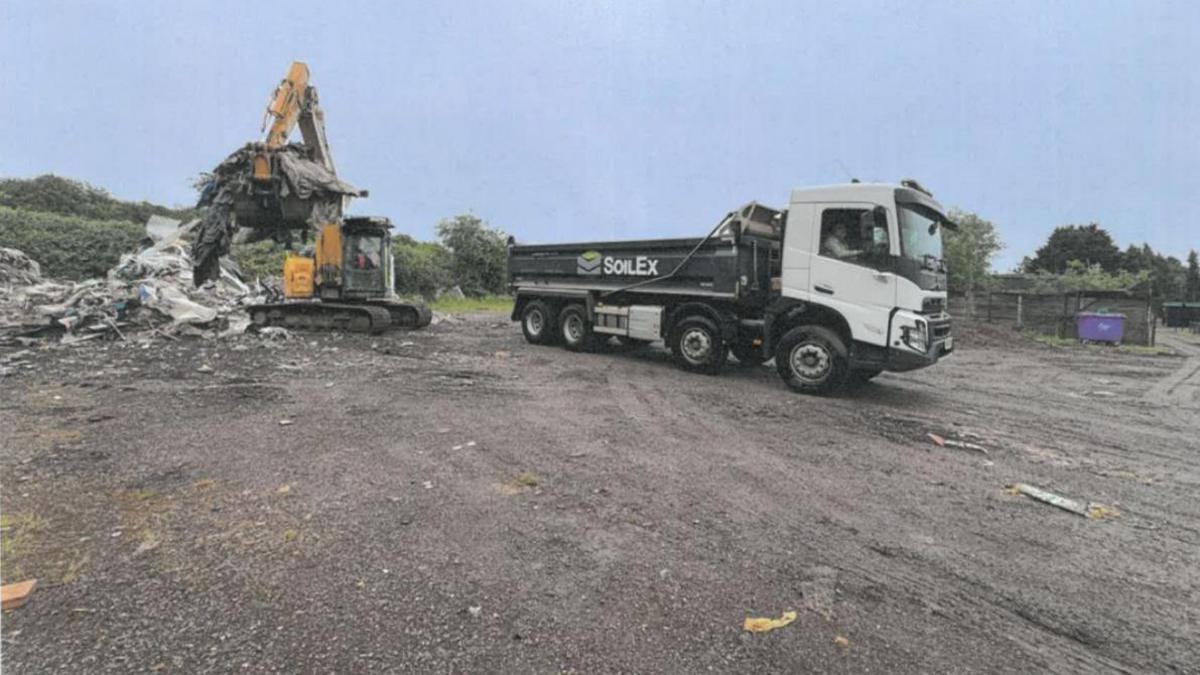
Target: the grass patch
pixel 486 303
pixel 73 569
pixel 1183 335
pixel 528 479
pixel 1146 351
pixel 1050 340
pixel 17 531
pixel 1067 342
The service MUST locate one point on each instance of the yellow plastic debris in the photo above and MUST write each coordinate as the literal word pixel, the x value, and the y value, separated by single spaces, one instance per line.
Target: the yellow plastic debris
pixel 763 624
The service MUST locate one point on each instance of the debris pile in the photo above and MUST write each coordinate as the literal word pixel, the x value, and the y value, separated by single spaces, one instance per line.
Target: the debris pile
pixel 18 268
pixel 302 193
pixel 151 290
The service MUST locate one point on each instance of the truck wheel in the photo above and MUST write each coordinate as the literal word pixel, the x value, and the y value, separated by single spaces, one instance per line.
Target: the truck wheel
pixel 811 360
pixel 538 324
pixel 697 345
pixel 747 354
pixel 575 332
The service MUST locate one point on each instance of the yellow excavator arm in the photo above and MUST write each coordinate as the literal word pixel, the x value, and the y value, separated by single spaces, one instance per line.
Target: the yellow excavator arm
pixel 294 102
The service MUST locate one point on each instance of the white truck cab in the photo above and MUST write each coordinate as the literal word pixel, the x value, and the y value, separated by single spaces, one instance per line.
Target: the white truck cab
pixel 872 253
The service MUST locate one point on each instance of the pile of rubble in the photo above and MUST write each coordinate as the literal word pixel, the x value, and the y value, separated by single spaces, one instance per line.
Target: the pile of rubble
pixel 151 291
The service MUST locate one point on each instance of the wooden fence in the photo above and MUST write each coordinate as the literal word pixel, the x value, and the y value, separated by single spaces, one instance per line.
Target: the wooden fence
pixel 1054 313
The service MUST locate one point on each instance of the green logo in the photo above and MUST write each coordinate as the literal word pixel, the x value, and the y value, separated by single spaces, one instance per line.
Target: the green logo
pixel 588 262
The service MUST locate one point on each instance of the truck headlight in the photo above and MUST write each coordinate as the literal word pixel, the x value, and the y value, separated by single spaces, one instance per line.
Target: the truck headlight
pixel 916 336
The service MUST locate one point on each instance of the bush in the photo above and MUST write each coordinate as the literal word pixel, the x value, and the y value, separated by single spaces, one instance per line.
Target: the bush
pixel 261 259
pixel 63 196
pixel 422 268
pixel 68 247
pixel 480 254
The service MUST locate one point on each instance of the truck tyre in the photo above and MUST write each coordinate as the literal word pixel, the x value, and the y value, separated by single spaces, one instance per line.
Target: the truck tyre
pixel 538 323
pixel 697 345
pixel 812 360
pixel 747 354
pixel 575 331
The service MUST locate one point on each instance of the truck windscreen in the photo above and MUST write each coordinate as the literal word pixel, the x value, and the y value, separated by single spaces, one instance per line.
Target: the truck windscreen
pixel 920 234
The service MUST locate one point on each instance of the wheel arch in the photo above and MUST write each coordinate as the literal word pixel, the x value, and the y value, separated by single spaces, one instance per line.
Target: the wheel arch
pixel 787 313
pixel 555 301
pixel 726 321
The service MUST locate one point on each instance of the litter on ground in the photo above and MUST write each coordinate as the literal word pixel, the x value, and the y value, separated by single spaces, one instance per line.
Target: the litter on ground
pixel 13 596
pixel 763 624
pixel 1091 510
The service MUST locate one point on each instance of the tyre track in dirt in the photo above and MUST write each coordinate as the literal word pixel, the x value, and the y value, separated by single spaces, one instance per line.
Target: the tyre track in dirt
pixel 965 600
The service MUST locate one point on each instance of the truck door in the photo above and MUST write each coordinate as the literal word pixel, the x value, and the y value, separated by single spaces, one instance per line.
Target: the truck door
pixel 850 271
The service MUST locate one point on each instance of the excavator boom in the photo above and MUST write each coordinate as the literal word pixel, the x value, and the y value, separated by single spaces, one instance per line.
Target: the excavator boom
pixel 295 102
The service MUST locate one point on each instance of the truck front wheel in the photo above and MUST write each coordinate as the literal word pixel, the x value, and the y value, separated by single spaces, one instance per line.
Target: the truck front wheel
pixel 575 331
pixel 538 324
pixel 811 360
pixel 697 345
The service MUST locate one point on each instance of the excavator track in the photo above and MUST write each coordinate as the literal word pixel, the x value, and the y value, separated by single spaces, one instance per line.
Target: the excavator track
pixel 355 318
pixel 404 315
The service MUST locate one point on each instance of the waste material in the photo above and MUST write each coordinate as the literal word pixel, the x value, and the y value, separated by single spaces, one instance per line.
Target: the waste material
pixel 13 596
pixel 1091 510
pixel 151 291
pixel 763 624
pixel 315 193
pixel 944 442
pixel 18 268
pixel 841 641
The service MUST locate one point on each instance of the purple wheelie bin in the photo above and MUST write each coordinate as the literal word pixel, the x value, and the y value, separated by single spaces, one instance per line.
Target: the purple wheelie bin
pixel 1100 327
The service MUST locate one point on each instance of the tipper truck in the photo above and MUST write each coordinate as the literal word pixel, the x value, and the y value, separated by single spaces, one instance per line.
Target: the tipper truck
pixel 846 282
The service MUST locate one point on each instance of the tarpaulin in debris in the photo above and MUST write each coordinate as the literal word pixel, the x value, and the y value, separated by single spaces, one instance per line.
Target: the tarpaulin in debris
pixel 305 194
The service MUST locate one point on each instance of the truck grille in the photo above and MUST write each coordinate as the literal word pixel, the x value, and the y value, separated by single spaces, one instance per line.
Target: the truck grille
pixel 939 330
pixel 933 306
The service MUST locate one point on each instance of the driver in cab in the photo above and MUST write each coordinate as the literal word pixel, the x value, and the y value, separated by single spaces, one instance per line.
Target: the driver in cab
pixel 835 242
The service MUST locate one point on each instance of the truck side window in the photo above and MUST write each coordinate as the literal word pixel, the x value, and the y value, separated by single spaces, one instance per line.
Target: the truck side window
pixel 846 234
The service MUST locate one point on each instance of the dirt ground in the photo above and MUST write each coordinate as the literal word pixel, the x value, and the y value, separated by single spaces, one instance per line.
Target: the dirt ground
pixel 455 500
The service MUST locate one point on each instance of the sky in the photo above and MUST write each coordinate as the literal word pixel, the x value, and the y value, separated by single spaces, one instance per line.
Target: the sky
pixel 561 121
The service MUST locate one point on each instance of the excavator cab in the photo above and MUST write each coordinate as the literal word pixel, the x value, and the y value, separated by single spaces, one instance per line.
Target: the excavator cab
pixel 352 261
pixel 366 257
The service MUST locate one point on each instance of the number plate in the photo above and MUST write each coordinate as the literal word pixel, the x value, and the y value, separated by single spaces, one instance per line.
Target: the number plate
pixel 948 345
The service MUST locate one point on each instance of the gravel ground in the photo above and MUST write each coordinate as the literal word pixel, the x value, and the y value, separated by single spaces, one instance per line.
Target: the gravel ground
pixel 454 500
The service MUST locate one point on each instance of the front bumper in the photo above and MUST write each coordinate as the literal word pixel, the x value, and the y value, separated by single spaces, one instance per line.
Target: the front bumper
pixel 906 352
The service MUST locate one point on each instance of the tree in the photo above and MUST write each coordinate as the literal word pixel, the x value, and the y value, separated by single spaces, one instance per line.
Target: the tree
pixel 480 254
pixel 969 250
pixel 1193 277
pixel 1089 244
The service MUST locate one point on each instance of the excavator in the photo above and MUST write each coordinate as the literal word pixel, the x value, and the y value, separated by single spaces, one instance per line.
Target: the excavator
pixel 345 280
